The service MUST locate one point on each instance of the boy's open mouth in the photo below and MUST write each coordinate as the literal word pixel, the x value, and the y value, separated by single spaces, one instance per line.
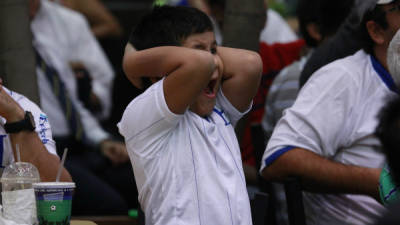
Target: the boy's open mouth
pixel 210 90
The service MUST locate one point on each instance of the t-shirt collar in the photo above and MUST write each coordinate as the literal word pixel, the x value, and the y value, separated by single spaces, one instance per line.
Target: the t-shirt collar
pixel 384 75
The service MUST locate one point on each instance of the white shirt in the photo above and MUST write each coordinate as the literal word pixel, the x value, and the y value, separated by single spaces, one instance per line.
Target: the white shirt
pixel 43 129
pixel 61 36
pixel 335 116
pixel 276 29
pixel 188 169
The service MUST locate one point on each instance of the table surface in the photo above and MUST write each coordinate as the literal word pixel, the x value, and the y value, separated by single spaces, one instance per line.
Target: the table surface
pixel 82 222
pixel 103 220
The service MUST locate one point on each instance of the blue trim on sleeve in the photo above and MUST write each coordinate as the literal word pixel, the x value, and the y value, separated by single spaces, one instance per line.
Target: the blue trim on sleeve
pixel 277 154
pixel 2 149
pixel 384 75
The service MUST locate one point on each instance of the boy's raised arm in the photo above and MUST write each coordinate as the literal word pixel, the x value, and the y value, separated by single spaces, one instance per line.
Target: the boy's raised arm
pixel 188 71
pixel 241 75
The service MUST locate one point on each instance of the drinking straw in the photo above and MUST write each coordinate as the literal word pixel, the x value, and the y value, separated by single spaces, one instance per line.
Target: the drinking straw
pixel 18 153
pixel 61 164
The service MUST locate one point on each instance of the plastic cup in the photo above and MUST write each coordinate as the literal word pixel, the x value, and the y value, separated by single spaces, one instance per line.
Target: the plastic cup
pixel 53 202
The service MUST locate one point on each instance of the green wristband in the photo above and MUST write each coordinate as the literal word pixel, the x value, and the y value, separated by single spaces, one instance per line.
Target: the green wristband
pixel 388 190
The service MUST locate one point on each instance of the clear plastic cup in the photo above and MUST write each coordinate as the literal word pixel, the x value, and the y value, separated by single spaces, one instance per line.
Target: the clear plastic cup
pixel 18 197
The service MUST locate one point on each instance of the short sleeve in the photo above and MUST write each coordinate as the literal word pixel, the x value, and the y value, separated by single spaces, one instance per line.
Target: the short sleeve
pixel 233 114
pixel 319 119
pixel 43 128
pixel 146 121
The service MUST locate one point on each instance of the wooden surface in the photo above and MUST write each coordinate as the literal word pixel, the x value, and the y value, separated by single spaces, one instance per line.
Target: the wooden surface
pixel 104 220
pixel 82 222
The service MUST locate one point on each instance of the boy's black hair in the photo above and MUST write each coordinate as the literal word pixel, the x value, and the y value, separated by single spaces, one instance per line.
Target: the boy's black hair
pixel 388 132
pixel 169 26
pixel 326 15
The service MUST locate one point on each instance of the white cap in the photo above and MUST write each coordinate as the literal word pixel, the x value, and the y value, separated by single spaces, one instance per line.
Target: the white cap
pixel 381 2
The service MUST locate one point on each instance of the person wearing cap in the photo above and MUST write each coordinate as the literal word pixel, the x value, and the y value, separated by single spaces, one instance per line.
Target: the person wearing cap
pixel 326 138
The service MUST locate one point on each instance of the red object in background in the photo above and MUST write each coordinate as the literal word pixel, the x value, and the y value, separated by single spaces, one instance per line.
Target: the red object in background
pixel 275 57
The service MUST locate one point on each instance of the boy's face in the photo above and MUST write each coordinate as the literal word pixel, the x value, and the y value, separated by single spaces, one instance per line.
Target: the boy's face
pixel 205 102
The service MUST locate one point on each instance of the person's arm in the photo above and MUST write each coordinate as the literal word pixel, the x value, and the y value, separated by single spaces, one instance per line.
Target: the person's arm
pixel 103 23
pixel 87 53
pixel 187 72
pixel 318 174
pixel 115 151
pixel 241 75
pixel 32 149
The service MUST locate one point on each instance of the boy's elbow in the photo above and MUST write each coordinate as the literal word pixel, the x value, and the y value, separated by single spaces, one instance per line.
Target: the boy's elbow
pixel 252 64
pixel 277 171
pixel 273 173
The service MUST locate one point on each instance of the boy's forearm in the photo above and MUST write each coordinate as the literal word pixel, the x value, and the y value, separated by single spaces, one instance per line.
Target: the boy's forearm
pixel 188 72
pixel 155 62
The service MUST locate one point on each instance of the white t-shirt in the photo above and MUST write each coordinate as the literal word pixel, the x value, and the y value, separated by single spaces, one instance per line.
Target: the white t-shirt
pixel 188 169
pixel 43 129
pixel 335 116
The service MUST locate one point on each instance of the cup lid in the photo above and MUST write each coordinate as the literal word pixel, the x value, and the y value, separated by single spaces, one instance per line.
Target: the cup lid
pixel 20 172
pixel 54 185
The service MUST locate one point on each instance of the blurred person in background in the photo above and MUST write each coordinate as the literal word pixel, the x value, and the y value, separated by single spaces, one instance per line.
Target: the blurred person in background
pixel 318 21
pixel 102 22
pixel 388 131
pixel 98 164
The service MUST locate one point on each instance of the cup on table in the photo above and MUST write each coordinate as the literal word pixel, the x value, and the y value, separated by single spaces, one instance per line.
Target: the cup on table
pixel 53 202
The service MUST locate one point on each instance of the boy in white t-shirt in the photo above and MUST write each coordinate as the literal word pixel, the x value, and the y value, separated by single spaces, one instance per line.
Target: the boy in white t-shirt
pixel 180 132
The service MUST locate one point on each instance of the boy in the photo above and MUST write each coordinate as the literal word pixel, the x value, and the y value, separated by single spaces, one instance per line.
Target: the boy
pixel 180 131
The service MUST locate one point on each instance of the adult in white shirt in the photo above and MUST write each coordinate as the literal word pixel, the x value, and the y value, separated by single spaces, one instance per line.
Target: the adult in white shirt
pixel 180 131
pixel 327 137
pixel 23 123
pixel 62 36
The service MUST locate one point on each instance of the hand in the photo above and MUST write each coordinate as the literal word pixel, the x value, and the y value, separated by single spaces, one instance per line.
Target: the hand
pixel 95 104
pixel 9 109
pixel 115 151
